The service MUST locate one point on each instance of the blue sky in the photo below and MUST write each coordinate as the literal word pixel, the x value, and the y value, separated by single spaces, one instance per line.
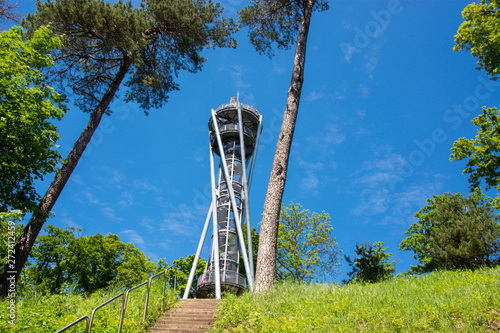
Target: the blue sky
pixel 383 100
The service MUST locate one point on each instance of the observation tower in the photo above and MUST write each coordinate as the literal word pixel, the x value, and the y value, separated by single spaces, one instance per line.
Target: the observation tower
pixel 234 130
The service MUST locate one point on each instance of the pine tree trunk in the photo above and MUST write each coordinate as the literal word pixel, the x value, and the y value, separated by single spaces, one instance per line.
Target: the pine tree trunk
pixel 266 260
pixel 11 271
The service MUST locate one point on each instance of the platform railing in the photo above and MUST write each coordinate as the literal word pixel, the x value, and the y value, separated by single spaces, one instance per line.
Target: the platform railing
pixel 124 296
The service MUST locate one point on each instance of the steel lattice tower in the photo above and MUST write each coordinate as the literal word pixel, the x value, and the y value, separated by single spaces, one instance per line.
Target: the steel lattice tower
pixel 229 126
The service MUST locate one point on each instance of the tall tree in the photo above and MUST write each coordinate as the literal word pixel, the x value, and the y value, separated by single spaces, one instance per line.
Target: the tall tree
pixel 370 263
pixel 279 22
pixel 61 261
pixel 455 232
pixel 480 34
pixel 106 43
pixel 482 153
pixel 306 249
pixel 28 109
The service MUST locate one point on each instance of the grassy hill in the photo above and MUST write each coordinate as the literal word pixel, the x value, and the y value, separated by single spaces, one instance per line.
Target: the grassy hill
pixel 462 301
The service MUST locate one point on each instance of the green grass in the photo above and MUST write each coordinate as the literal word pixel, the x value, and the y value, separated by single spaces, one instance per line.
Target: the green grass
pixel 53 312
pixel 462 301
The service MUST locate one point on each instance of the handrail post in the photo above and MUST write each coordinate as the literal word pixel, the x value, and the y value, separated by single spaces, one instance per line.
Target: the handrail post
pixel 147 296
pixel 163 291
pixel 124 307
pixel 100 306
pixel 175 279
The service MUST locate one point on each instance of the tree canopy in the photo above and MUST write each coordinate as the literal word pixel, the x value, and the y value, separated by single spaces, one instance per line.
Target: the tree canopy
pixel 370 263
pixel 28 109
pixel 306 249
pixel 180 274
pixel 152 43
pixel 275 22
pixel 480 34
pixel 483 152
pixel 455 232
pixel 61 260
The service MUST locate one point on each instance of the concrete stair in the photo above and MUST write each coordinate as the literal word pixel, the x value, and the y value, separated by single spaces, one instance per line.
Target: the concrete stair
pixel 191 316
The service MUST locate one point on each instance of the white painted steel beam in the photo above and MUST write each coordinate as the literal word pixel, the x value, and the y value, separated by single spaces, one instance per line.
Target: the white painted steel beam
pixel 246 195
pixel 216 227
pixel 198 253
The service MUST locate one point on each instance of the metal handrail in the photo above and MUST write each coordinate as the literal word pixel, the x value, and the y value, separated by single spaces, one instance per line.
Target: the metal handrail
pixel 100 306
pixel 147 295
pixel 124 305
pixel 90 320
pixel 76 322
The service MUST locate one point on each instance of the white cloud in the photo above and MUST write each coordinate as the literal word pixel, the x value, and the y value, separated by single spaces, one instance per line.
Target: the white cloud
pixel 126 199
pixel 277 68
pixel 145 185
pixel 337 96
pixel 180 222
pixel 371 65
pixel 90 198
pixel 309 183
pixel 310 166
pixel 333 135
pixel 372 60
pixel 375 184
pixel 147 223
pixel 239 76
pixel 348 51
pixel 132 236
pixel 314 96
pixel 110 213
pixel 364 91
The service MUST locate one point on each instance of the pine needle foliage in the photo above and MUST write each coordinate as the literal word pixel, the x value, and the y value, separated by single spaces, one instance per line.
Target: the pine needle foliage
pixel 155 40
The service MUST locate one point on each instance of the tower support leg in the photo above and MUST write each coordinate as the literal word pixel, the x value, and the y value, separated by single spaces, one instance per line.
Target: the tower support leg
pixel 198 252
pixel 216 256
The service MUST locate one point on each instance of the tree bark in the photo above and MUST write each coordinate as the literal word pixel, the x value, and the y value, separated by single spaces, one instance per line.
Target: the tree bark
pixel 266 260
pixel 13 268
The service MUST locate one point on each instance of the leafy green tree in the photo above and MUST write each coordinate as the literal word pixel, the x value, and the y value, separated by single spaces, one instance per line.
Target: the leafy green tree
pixel 135 267
pixel 482 152
pixel 455 232
pixel 182 269
pixel 255 247
pixel 480 34
pixel 279 22
pixel 306 249
pixel 106 44
pixel 370 264
pixel 50 260
pixel 28 108
pixel 60 261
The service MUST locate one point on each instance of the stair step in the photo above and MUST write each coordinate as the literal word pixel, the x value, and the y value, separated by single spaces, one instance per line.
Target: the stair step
pixel 190 316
